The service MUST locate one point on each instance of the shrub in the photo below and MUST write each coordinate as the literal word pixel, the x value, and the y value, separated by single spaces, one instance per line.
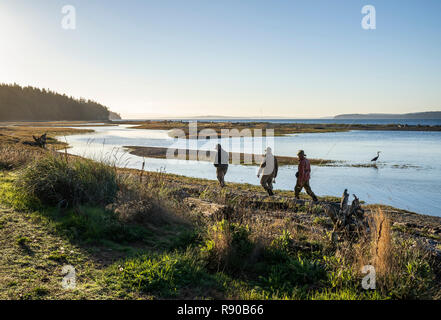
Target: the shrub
pixel 68 182
pixel 227 246
pixel 402 267
pixel 135 204
pixel 341 274
pixel 283 243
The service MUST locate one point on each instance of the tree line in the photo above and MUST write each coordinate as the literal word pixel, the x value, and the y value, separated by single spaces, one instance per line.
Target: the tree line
pixel 33 104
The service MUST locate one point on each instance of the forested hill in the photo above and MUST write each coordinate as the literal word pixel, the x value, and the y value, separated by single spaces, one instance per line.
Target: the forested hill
pixel 33 104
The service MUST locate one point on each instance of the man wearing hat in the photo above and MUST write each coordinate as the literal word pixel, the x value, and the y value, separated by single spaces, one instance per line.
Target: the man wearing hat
pixel 221 160
pixel 303 176
pixel 269 167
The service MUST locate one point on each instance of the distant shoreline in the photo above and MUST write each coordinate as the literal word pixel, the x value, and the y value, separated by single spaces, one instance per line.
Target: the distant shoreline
pixel 430 115
pixel 429 123
pixel 236 128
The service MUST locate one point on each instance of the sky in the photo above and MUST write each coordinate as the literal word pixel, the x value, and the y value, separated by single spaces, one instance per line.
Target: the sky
pixel 239 58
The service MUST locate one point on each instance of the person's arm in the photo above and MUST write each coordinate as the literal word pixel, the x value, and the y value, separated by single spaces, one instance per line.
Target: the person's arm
pixel 225 158
pixel 301 170
pixel 262 165
pixel 308 169
pixel 276 167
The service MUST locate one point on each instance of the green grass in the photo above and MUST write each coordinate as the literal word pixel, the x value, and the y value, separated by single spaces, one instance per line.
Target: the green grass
pixel 94 225
pixel 154 248
pixel 11 197
pixel 167 275
pixel 22 241
pixel 84 223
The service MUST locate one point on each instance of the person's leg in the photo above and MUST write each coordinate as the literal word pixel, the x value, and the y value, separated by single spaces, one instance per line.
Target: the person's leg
pixel 265 182
pixel 225 169
pixel 270 185
pixel 220 176
pixel 297 189
pixel 309 191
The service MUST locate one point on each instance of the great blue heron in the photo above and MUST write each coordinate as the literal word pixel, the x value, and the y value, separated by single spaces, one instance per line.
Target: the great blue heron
pixel 376 158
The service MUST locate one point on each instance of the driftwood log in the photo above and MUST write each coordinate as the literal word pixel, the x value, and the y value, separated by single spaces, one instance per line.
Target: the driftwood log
pixel 348 219
pixel 38 141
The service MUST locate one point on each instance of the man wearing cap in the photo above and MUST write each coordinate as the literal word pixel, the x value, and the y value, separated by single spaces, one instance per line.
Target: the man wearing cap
pixel 221 160
pixel 303 176
pixel 269 167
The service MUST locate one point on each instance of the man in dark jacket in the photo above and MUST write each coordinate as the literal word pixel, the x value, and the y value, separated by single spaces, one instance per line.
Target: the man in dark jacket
pixel 303 176
pixel 269 167
pixel 221 161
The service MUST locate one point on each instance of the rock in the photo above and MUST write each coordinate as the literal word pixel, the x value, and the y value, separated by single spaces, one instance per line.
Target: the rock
pixel 208 209
pixel 399 224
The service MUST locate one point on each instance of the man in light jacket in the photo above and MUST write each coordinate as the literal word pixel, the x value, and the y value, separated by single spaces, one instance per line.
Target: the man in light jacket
pixel 269 168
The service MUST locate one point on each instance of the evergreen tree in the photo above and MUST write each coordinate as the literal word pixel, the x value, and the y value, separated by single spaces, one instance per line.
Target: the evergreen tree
pixel 33 104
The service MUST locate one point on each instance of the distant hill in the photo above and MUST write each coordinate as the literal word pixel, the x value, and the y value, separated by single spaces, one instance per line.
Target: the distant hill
pixel 32 104
pixel 114 116
pixel 417 115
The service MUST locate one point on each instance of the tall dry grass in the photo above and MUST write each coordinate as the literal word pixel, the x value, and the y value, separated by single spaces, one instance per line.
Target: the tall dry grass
pixel 68 182
pixel 381 243
pixel 140 202
pixel 16 156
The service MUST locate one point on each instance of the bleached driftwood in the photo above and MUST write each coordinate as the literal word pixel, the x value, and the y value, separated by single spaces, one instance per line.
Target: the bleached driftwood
pixel 38 141
pixel 348 220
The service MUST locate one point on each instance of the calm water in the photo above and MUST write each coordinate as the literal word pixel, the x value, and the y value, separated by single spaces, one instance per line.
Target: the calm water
pixel 408 174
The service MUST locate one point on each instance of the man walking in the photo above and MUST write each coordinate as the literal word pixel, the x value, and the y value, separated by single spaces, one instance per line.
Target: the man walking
pixel 269 167
pixel 221 160
pixel 303 176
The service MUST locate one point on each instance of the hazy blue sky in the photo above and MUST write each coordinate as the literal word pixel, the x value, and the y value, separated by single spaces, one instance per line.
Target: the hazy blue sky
pixel 229 57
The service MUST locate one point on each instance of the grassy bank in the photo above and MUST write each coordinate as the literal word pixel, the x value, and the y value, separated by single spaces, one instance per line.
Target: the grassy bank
pixel 132 234
pixel 280 129
pixel 16 135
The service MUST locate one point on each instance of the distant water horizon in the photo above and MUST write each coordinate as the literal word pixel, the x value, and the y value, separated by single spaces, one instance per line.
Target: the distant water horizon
pixel 410 122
